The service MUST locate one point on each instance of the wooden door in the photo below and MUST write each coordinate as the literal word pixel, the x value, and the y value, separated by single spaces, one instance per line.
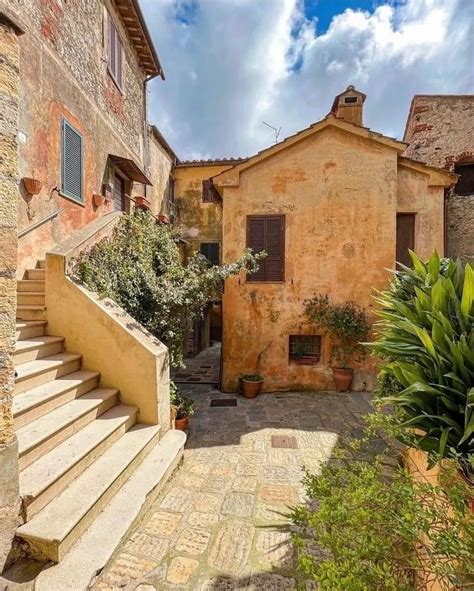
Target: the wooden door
pixel 119 193
pixel 405 237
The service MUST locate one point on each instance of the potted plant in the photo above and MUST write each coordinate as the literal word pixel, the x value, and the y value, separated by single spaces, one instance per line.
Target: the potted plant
pixel 251 385
pixel 348 328
pixel 142 202
pixel 182 408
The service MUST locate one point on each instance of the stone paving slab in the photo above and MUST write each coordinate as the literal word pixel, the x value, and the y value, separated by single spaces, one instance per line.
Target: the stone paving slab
pixel 221 523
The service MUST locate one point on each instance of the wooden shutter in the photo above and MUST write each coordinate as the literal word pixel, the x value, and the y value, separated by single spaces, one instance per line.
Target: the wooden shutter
pixel 114 52
pixel 465 184
pixel 71 162
pixel 267 233
pixel 405 237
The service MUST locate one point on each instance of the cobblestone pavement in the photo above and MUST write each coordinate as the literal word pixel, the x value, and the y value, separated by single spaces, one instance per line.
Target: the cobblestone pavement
pixel 204 368
pixel 220 523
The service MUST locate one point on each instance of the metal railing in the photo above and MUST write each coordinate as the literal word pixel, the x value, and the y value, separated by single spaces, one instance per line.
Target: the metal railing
pixel 39 223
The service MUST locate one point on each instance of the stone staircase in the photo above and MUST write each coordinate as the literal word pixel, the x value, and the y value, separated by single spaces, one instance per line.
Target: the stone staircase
pixel 87 466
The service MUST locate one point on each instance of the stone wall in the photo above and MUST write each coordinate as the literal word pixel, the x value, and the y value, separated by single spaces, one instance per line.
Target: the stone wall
pixel 9 104
pixel 440 132
pixel 64 74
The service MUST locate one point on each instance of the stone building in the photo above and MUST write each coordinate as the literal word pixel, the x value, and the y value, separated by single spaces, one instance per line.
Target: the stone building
pixel 334 206
pixel 83 131
pixel 85 438
pixel 440 132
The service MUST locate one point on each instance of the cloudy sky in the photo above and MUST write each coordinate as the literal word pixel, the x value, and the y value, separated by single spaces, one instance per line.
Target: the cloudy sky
pixel 232 64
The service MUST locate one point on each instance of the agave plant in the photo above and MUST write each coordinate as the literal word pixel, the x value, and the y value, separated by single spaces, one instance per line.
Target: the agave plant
pixel 426 339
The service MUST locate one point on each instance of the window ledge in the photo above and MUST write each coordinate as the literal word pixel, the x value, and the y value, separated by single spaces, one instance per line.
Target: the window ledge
pixel 69 198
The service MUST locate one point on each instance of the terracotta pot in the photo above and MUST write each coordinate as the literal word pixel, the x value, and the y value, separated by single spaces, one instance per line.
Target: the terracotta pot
pixel 98 199
pixel 181 424
pixel 142 202
pixel 342 378
pixel 32 186
pixel 251 389
pixel 163 218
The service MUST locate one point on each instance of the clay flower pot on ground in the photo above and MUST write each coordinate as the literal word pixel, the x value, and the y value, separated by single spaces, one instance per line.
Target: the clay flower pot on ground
pixel 251 385
pixel 182 408
pixel 342 378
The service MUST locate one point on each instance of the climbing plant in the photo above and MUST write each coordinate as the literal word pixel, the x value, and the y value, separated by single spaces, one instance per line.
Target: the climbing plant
pixel 140 268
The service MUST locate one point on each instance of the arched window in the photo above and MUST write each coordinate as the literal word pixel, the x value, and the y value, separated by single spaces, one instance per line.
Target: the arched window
pixel 465 184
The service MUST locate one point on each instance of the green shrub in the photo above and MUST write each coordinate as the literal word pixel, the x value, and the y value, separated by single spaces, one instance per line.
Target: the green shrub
pixel 426 341
pixel 346 323
pixel 366 524
pixel 140 268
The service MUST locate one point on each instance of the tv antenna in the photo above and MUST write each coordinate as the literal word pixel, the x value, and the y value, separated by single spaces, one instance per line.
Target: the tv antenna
pixel 275 129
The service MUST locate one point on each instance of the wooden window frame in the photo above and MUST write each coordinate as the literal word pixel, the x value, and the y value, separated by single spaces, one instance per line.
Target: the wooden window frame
pixel 112 30
pixel 77 199
pixel 249 278
pixel 218 250
pixel 311 358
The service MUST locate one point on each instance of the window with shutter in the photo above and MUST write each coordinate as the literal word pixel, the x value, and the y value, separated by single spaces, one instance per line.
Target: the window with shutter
pixel 114 53
pixel 71 162
pixel 405 237
pixel 267 233
pixel 207 191
pixel 211 251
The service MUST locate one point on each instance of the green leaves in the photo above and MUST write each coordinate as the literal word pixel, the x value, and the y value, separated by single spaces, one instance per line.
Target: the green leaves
pixel 425 336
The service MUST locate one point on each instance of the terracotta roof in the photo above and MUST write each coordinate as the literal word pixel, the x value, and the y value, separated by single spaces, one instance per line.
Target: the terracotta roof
pixel 162 141
pixel 210 162
pixel 134 22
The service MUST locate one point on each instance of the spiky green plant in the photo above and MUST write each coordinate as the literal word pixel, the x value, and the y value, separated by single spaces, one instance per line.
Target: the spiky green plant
pixel 426 339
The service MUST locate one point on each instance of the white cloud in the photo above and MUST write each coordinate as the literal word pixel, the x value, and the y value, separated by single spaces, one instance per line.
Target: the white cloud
pixel 231 64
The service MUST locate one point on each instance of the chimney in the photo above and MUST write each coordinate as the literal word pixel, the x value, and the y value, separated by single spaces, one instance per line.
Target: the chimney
pixel 349 105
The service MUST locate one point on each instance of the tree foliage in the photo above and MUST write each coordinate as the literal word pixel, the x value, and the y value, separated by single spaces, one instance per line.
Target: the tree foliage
pixel 140 268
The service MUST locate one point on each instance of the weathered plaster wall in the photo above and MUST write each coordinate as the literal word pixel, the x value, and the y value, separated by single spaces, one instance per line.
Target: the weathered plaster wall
pixel 160 165
pixel 440 130
pixel 340 224
pixel 198 221
pixel 64 73
pixel 9 106
pixel 340 196
pixel 427 202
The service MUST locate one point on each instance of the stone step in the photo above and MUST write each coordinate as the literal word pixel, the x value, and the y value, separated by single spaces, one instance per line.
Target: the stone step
pixel 30 312
pixel 51 473
pixel 57 527
pixel 28 330
pixel 37 348
pixel 30 298
pixel 45 433
pixel 30 285
pixel 34 373
pixel 95 547
pixel 36 274
pixel 41 264
pixel 35 403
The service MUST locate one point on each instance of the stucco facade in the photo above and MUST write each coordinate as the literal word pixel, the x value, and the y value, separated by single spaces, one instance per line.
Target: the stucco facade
pixel 161 161
pixel 65 75
pixel 198 222
pixel 440 132
pixel 339 187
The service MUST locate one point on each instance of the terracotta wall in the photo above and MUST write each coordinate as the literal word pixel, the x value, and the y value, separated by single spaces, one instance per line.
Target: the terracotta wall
pixel 198 222
pixel 339 193
pixel 64 73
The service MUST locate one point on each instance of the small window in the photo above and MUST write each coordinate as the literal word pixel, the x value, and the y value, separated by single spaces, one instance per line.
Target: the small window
pixel 267 233
pixel 405 237
pixel 71 162
pixel 211 251
pixel 350 99
pixel 207 192
pixel 114 53
pixel 305 349
pixel 465 184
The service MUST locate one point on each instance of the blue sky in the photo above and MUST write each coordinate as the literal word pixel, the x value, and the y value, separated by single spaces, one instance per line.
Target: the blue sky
pixel 232 64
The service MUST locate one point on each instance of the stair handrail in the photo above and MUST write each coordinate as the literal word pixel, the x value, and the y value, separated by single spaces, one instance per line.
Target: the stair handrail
pixel 39 223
